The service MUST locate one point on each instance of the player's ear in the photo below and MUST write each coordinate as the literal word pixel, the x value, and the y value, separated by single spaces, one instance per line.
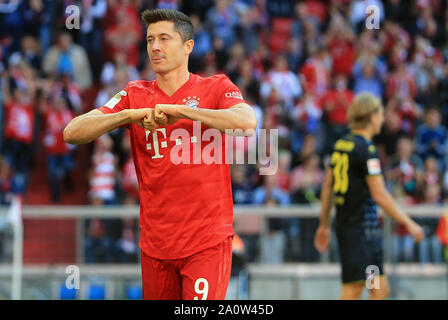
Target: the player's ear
pixel 189 44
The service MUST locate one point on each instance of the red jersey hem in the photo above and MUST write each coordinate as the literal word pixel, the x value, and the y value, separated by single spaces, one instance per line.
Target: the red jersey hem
pixel 188 253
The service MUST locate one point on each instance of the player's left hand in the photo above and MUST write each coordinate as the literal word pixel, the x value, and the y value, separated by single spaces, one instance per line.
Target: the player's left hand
pixel 322 239
pixel 166 114
pixel 416 231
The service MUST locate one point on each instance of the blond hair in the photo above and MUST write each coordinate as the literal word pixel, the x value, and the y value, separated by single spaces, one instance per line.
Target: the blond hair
pixel 363 106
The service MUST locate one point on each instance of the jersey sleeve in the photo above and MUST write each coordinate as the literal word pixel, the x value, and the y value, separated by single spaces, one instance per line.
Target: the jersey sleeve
pixel 227 93
pixel 370 161
pixel 117 103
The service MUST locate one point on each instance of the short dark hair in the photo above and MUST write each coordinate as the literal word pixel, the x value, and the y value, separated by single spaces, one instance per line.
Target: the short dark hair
pixel 182 23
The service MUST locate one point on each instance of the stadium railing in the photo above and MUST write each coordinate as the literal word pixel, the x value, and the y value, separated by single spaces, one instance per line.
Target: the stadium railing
pixel 289 280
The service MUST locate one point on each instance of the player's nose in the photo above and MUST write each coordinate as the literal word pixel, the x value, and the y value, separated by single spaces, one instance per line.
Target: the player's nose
pixel 156 45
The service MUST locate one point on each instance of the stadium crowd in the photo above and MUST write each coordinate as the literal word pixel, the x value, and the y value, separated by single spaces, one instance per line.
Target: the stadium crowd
pixel 298 63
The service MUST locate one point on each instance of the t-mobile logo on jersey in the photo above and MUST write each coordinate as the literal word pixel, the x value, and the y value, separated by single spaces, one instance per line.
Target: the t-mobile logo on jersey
pixel 238 147
pixel 155 144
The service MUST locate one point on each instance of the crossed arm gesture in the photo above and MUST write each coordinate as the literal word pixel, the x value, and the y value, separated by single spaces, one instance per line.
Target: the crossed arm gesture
pixel 89 126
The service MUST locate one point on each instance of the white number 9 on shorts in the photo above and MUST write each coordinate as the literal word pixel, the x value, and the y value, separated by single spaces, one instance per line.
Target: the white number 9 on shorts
pixel 203 291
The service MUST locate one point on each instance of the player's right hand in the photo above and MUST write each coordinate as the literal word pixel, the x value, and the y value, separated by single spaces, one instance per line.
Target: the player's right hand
pixel 415 230
pixel 160 117
pixel 144 118
pixel 322 239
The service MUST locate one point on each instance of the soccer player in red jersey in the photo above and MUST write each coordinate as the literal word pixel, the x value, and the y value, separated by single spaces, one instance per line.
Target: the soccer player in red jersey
pixel 186 210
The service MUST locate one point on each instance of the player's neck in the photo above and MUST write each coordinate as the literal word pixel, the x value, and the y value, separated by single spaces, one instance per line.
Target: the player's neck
pixel 171 81
pixel 363 132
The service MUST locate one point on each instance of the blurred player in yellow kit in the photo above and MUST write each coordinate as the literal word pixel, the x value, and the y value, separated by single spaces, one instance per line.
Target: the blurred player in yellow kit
pixel 355 182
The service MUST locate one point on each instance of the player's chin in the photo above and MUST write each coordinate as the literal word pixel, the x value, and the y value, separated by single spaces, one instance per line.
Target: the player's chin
pixel 160 67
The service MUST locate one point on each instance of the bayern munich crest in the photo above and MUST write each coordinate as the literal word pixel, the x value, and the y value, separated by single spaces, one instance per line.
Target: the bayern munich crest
pixel 192 102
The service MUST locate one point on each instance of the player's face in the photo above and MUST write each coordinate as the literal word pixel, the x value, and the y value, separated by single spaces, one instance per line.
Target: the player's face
pixel 165 47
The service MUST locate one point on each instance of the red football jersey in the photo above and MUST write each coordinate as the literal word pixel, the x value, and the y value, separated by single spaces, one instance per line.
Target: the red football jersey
pixel 19 122
pixel 184 208
pixel 55 122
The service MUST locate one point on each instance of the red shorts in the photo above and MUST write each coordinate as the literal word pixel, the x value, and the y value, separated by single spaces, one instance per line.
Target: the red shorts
pixel 202 276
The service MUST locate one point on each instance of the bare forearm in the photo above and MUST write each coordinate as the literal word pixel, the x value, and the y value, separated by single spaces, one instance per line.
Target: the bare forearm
pixel 326 199
pixel 326 202
pixel 87 127
pixel 242 119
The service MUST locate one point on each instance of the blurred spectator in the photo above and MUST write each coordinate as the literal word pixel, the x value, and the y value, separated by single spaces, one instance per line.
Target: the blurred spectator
pixel 12 21
pixel 37 22
pixel 390 133
pixel 129 179
pixel 92 11
pixel 124 36
pixel 396 42
pixel 119 63
pixel 241 187
pixel 102 235
pixel 283 81
pixel 233 64
pixel 218 58
pixel 98 247
pixel 425 24
pixel 306 180
pixel 404 172
pixel 401 83
pixel 426 63
pixel 69 58
pixel 6 182
pixel 202 44
pixel 29 53
pixel 221 20
pixel 431 137
pixel 120 81
pixel 431 176
pixel 252 22
pixel 407 111
pixel 397 11
pixel 335 105
pixel 128 243
pixel 284 170
pixel 60 162
pixel 19 127
pixel 306 117
pixel 104 172
pixel 339 39
pixel 430 248
pixel 307 149
pixel 367 78
pixel 315 72
pixel 274 244
pixel 248 83
pixel 270 193
pixel 301 18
